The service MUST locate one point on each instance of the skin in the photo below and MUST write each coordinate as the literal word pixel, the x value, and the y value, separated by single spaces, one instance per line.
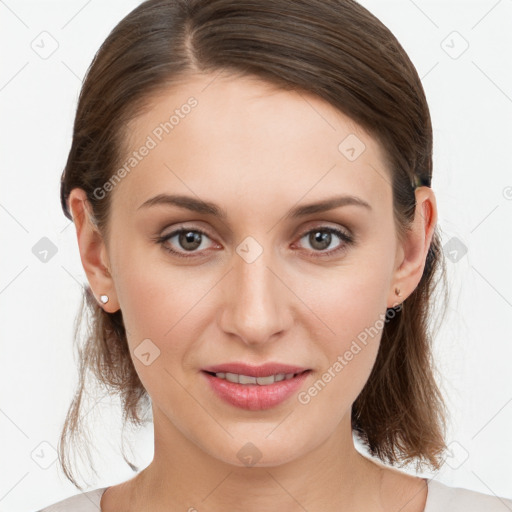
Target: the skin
pixel 256 151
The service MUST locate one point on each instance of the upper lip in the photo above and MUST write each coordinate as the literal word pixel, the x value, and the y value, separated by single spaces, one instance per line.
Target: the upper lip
pixel 265 370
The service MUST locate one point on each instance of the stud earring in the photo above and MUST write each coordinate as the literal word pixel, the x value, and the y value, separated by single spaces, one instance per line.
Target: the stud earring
pixel 397 292
pixel 104 298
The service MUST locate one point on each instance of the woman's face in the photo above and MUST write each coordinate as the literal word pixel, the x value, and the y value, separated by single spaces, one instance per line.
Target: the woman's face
pixel 259 284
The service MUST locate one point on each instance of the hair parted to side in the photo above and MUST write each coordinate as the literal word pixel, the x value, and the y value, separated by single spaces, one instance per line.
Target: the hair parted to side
pixel 334 49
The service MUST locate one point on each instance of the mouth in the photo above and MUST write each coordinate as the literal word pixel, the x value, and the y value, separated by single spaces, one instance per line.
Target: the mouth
pixel 237 378
pixel 271 368
pixel 256 392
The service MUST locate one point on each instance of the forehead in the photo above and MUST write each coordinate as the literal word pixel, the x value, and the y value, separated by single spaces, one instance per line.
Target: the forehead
pixel 218 136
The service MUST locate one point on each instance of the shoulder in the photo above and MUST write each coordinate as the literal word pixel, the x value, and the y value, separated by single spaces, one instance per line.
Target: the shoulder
pixel 84 502
pixel 442 497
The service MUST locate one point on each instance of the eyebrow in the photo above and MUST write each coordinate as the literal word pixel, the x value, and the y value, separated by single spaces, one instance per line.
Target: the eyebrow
pixel 209 208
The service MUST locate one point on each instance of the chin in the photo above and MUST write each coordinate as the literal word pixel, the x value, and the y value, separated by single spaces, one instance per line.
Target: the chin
pixel 258 451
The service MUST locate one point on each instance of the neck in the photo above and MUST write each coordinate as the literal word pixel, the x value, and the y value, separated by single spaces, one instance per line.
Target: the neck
pixel 333 476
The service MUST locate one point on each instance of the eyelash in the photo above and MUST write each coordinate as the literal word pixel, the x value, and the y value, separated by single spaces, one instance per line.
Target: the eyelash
pixel 346 238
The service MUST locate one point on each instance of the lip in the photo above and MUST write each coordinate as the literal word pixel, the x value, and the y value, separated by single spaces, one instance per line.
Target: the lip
pixel 264 370
pixel 254 397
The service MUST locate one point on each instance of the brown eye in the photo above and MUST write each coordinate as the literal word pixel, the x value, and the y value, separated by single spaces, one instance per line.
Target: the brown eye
pixel 186 240
pixel 321 239
pixel 189 240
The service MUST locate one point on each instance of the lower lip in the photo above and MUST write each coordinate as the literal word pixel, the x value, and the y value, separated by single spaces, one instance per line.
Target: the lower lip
pixel 254 397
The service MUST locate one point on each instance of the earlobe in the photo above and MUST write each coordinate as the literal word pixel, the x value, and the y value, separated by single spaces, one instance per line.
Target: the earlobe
pixel 416 245
pixel 93 253
pixel 399 296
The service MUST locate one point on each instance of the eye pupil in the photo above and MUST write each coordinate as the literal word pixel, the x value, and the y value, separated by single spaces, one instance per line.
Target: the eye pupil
pixel 324 238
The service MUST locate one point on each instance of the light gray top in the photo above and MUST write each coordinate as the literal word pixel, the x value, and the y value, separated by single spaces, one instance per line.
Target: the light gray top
pixel 440 498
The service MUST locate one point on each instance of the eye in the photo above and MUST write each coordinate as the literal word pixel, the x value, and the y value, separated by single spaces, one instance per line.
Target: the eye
pixel 187 240
pixel 321 238
pixel 192 241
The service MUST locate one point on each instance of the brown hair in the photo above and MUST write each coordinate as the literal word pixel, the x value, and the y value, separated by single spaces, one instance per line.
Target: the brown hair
pixel 334 49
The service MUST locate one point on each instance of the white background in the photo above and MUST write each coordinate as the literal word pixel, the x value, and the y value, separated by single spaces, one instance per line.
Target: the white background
pixel 471 106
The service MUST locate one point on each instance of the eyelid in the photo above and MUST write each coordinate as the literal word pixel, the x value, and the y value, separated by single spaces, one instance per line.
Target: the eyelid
pixel 180 227
pixel 325 225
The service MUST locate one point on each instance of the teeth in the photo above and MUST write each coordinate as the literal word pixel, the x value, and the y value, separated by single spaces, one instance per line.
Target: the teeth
pixel 243 379
pixel 262 381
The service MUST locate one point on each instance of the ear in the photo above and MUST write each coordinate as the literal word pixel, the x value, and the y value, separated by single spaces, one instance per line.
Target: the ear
pixel 412 252
pixel 93 251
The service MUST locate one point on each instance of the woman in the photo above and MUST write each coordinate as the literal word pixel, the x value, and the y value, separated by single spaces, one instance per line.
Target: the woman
pixel 250 184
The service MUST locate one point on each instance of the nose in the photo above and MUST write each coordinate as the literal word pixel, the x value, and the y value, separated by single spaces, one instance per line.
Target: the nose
pixel 257 306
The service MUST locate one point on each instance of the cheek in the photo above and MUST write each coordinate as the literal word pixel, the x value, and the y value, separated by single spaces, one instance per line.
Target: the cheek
pixel 156 295
pixel 167 305
pixel 351 298
pixel 154 305
pixel 353 313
